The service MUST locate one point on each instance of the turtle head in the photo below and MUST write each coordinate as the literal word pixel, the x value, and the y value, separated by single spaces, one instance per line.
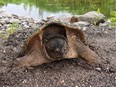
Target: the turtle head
pixel 55 41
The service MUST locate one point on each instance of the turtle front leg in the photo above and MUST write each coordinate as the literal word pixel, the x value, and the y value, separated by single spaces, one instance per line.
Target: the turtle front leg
pixel 34 56
pixel 28 61
pixel 86 53
pixel 77 48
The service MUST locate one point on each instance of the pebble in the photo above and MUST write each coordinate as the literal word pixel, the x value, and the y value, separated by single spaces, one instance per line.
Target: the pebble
pixel 15 16
pixel 49 17
pixel 98 69
pixel 112 70
pixel 4 51
pixel 2 22
pixel 24 81
pixel 6 86
pixel 24 23
pixel 6 26
pixel 26 26
pixel 63 81
pixel 0 17
pixel 107 68
pixel 84 28
pixel 106 32
pixel 115 78
pixel 76 86
pixel 104 24
pixel 30 24
pixel 14 21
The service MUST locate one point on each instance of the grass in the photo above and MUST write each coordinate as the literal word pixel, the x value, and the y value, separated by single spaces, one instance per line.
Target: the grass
pixel 12 28
pixel 71 6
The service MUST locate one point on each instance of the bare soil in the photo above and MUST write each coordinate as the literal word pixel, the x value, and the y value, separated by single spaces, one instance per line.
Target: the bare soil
pixel 64 73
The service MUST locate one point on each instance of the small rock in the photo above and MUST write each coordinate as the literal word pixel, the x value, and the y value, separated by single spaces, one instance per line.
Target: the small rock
pixel 104 24
pixel 14 21
pixel 2 22
pixel 107 68
pixel 15 16
pixel 62 81
pixel 101 21
pixel 112 70
pixel 24 23
pixel 76 86
pixel 41 22
pixel 6 26
pixel 4 51
pixel 115 78
pixel 84 28
pixel 0 17
pixel 24 81
pixel 49 17
pixel 7 21
pixel 44 20
pixel 105 32
pixel 30 24
pixel 98 69
pixel 26 26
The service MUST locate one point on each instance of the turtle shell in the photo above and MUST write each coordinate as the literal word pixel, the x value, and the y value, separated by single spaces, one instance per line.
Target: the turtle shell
pixel 55 30
pixel 55 41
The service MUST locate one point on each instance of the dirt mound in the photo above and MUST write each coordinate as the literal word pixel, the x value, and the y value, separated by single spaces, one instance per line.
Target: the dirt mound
pixel 64 73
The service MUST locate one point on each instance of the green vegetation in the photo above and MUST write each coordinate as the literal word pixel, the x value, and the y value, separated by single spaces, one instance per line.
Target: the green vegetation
pixel 71 6
pixel 12 28
pixel 113 16
pixel 107 7
pixel 113 13
pixel 113 19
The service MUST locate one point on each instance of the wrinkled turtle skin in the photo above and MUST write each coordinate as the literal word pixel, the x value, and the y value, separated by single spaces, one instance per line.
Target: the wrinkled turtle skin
pixel 55 41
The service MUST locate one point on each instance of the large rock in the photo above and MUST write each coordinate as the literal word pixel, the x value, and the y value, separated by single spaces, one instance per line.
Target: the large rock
pixel 91 17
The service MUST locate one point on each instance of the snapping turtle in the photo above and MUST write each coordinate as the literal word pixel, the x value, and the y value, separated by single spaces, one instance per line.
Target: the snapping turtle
pixel 56 41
